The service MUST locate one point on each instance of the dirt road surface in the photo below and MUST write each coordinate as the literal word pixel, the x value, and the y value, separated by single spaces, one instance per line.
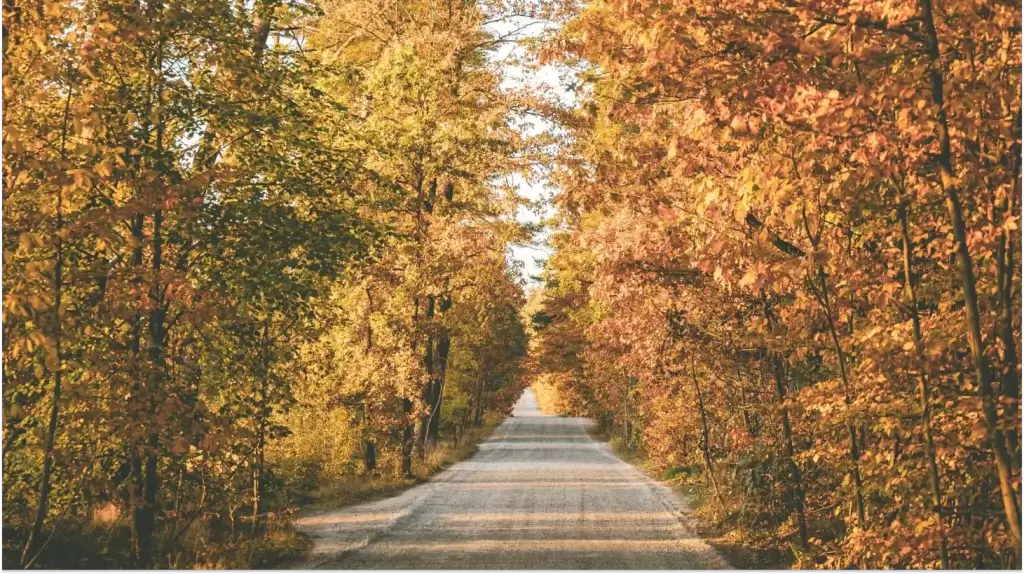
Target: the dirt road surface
pixel 540 493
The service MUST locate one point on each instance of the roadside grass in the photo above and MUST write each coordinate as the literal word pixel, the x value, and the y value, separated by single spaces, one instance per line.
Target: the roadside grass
pixel 744 548
pixel 291 546
pixel 208 543
pixel 349 490
pixel 278 544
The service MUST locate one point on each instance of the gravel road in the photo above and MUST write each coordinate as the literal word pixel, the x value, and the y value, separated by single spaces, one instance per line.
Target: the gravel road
pixel 540 493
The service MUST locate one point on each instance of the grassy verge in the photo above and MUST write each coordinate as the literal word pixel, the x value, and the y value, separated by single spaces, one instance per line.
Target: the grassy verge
pixel 742 547
pixel 356 489
pixel 279 546
pixel 292 546
pixel 214 541
pixel 208 543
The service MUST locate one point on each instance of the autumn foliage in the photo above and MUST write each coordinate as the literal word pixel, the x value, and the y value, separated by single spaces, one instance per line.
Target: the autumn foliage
pixel 788 265
pixel 254 248
pixel 249 249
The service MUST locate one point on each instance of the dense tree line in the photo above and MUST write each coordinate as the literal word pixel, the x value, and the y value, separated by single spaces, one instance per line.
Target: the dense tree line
pixel 246 245
pixel 788 263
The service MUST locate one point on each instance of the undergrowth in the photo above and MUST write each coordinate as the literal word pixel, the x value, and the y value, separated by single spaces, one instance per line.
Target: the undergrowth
pixel 729 531
pixel 229 540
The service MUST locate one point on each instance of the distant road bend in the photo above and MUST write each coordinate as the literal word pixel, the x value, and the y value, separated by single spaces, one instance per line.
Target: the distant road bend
pixel 540 493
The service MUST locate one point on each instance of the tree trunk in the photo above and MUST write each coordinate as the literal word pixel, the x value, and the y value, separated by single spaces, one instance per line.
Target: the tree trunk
pixel 625 416
pixel 444 342
pixel 429 390
pixel 426 209
pixel 147 480
pixel 145 516
pixel 790 452
pixel 746 413
pixel 370 457
pixel 924 391
pixel 261 430
pixel 138 545
pixel 42 505
pixel 1010 384
pixel 851 429
pixel 409 431
pixel 705 439
pixel 478 409
pixel 263 16
pixel 51 430
pixel 1004 465
pixel 443 348
pixel 257 480
pixel 407 439
pixel 369 448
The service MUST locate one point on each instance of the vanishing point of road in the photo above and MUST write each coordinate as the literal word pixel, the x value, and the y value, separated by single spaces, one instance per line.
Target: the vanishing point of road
pixel 540 493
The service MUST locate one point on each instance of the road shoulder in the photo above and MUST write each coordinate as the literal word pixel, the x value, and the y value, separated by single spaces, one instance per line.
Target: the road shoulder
pixel 733 545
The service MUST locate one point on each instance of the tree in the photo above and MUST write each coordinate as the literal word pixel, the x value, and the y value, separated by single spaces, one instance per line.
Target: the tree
pixel 762 171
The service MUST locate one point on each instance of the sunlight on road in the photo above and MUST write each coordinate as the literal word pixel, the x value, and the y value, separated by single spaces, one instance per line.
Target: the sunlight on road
pixel 540 493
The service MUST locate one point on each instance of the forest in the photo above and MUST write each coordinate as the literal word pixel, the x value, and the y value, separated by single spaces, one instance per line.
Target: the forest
pixel 788 265
pixel 248 249
pixel 256 259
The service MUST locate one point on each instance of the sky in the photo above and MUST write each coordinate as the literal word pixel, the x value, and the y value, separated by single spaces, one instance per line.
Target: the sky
pixel 539 193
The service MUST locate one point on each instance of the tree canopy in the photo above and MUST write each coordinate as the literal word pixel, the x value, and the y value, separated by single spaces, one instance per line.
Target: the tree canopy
pixel 789 260
pixel 257 250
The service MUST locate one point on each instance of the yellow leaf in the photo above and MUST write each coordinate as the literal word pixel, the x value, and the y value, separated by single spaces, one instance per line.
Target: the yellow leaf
pixel 51 358
pixel 104 168
pixel 36 302
pixel 673 147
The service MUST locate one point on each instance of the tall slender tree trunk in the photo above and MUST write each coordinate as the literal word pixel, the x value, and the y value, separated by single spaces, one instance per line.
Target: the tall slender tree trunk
pixel 439 346
pixel 409 431
pixel 777 366
pixel 369 448
pixel 407 439
pixel 424 214
pixel 443 349
pixel 705 438
pixel 257 476
pixel 429 388
pixel 747 422
pixel 444 341
pixel 778 374
pixel 924 389
pixel 851 429
pixel 145 517
pixel 625 414
pixel 983 376
pixel 135 350
pixel 263 18
pixel 1010 384
pixel 369 456
pixel 479 403
pixel 261 429
pixel 42 504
